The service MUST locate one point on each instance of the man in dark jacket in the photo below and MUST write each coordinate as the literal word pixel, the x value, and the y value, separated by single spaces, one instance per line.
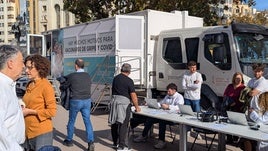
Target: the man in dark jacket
pixel 80 101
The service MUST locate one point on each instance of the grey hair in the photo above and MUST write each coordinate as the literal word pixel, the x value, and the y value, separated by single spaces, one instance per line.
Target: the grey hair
pixel 6 53
pixel 126 68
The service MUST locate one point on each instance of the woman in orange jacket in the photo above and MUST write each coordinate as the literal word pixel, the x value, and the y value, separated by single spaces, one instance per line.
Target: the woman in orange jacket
pixel 40 103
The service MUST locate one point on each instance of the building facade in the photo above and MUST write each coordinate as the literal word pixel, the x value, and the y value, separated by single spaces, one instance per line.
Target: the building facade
pixel 48 15
pixel 9 10
pixel 32 16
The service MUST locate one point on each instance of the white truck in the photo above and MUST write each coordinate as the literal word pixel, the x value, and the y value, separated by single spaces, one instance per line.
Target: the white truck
pixel 158 45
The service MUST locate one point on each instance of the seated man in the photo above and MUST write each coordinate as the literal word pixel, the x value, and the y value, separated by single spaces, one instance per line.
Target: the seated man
pixel 170 102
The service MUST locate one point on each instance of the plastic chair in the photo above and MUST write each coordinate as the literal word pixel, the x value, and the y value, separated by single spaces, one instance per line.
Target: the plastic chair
pixel 205 132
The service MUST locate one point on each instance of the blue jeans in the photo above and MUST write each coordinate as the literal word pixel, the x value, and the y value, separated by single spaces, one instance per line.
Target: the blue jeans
pixel 195 104
pixel 84 107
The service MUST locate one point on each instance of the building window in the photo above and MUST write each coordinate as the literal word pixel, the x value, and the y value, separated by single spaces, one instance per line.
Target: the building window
pixel 57 9
pixel 10 16
pixel 10 8
pixel 237 10
pixel 44 8
pixel 45 27
pixel 9 24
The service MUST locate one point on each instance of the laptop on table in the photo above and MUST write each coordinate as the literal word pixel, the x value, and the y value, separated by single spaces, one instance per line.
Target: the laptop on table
pixel 237 118
pixel 152 103
pixel 186 109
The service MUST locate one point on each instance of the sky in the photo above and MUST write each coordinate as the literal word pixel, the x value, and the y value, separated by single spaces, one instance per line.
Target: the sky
pixel 261 4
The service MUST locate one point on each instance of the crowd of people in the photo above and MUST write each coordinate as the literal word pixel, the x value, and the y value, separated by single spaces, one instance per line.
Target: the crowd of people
pixel 26 124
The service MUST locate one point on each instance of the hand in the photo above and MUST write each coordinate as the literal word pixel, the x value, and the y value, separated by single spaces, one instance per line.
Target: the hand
pixel 27 111
pixel 250 110
pixel 196 81
pixel 165 106
pixel 138 109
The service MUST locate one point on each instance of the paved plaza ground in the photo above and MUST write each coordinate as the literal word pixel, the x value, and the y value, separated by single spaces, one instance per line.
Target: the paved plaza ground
pixel 103 136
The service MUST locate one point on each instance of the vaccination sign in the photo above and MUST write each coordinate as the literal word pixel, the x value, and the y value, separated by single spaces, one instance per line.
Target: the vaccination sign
pixel 91 44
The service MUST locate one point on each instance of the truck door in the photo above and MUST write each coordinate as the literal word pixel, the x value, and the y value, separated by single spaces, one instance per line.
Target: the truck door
pixel 130 45
pixel 170 66
pixel 216 60
pixel 36 44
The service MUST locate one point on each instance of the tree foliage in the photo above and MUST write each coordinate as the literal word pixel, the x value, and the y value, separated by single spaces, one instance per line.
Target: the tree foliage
pixel 259 18
pixel 88 10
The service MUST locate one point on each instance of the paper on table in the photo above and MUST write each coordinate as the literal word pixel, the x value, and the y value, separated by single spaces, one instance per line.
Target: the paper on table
pixel 156 111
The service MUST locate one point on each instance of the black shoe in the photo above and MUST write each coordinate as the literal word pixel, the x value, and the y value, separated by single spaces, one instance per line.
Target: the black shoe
pixel 91 146
pixel 68 143
pixel 115 146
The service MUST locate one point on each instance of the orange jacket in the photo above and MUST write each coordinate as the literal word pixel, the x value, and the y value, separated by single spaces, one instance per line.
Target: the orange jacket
pixel 39 96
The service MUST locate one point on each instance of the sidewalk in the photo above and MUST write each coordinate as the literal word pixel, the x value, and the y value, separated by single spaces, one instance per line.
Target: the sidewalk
pixel 103 135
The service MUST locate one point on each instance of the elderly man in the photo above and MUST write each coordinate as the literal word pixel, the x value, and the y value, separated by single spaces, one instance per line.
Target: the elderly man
pixel 12 127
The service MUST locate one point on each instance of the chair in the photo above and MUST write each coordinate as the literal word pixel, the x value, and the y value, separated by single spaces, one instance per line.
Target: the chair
pixel 205 132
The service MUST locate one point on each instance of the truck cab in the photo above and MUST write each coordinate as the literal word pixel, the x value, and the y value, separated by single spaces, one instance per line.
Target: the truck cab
pixel 220 51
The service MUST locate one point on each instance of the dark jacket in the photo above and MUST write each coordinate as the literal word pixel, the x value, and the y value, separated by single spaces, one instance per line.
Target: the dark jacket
pixel 65 92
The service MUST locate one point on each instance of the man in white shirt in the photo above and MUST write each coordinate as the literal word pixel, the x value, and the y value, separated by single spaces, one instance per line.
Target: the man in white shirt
pixel 12 127
pixel 170 102
pixel 257 113
pixel 191 83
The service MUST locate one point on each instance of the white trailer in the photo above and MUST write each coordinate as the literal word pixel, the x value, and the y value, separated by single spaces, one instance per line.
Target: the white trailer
pixel 108 43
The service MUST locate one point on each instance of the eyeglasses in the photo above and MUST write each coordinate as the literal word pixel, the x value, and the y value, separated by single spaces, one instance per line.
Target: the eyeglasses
pixel 29 67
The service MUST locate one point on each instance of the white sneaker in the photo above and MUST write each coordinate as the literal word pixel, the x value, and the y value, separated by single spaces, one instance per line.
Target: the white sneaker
pixel 139 139
pixel 160 145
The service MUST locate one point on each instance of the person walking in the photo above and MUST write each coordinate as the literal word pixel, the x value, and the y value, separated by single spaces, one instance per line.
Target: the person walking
pixel 40 103
pixel 80 101
pixel 12 127
pixel 123 92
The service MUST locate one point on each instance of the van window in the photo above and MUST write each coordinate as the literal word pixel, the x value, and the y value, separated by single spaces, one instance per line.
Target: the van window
pixel 217 50
pixel 172 52
pixel 191 45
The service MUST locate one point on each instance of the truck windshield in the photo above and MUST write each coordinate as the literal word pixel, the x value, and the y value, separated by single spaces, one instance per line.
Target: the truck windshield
pixel 252 48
